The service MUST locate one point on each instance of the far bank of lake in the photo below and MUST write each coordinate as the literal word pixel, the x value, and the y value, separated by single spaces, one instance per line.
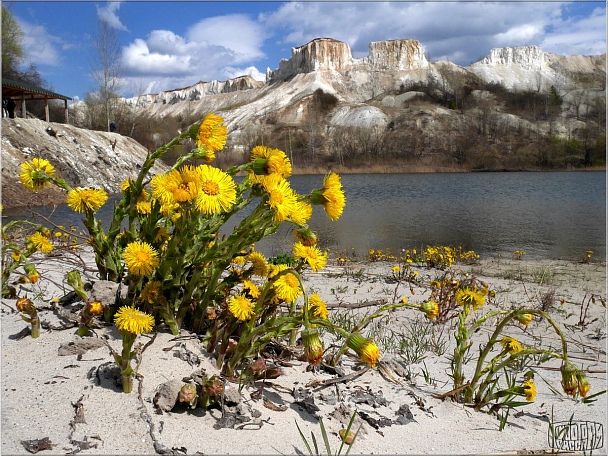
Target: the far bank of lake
pixel 549 215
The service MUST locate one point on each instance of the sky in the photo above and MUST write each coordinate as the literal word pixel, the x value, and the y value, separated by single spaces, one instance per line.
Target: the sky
pixel 169 45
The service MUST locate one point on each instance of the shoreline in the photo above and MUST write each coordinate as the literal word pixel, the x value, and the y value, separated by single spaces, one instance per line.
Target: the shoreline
pixel 73 398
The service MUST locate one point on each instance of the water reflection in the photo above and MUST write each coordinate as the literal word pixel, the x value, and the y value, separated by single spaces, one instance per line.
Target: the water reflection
pixel 549 215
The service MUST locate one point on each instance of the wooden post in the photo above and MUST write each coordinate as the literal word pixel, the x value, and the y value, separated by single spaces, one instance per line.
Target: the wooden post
pixel 65 103
pixel 46 108
pixel 23 111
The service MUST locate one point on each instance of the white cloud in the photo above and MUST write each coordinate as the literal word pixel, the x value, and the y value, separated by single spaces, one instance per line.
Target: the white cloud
pixel 249 71
pixel 41 48
pixel 578 36
pixel 236 32
pixel 461 32
pixel 214 48
pixel 109 15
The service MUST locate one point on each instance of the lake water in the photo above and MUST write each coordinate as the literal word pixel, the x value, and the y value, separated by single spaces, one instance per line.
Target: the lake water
pixel 549 215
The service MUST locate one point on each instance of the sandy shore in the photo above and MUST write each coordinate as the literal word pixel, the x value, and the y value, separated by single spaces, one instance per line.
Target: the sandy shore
pixel 63 388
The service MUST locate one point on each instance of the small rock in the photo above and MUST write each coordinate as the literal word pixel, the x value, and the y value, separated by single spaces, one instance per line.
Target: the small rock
pixel 232 396
pixel 404 415
pixel 104 291
pixel 80 346
pixel 167 395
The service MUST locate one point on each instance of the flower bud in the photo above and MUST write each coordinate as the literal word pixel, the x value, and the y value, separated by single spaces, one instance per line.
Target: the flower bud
pixel 313 347
pixel 187 393
pixel 95 308
pixel 583 383
pixel 430 309
pixel 260 166
pixel 524 319
pixel 215 387
pixel 306 237
pixel 31 273
pixel 26 306
pixel 569 378
pixel 366 349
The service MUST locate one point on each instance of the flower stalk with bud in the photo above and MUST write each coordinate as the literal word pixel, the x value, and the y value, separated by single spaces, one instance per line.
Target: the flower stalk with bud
pixel 30 315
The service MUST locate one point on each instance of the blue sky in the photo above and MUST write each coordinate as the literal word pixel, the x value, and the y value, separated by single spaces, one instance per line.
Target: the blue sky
pixel 168 45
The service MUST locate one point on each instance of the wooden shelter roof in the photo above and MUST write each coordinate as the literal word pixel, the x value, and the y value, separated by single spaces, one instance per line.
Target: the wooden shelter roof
pixel 28 91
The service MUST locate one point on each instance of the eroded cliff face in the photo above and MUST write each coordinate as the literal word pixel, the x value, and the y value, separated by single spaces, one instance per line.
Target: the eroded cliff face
pixel 531 68
pixel 398 55
pixel 195 92
pixel 524 56
pixel 327 54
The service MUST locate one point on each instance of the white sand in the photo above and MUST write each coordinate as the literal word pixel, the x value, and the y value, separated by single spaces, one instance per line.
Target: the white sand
pixel 69 399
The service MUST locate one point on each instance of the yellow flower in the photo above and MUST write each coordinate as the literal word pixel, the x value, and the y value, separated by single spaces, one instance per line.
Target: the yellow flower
pixel 84 200
pixel 396 269
pixel 317 306
pixel 35 174
pixel 143 207
pixel 267 161
pixel 240 307
pixel 16 255
pixel 283 201
pixel 41 242
pixel 470 297
pixel 141 258
pixel 524 319
pixel 95 307
pixel 287 287
pixel 151 291
pixel 430 309
pixel 259 266
pixel 366 349
pixel 175 187
pixel 302 213
pixel 530 390
pixel 251 289
pixel 162 235
pixel 217 191
pixel 134 321
pixel 330 196
pixel 312 255
pixel 511 344
pixel 211 134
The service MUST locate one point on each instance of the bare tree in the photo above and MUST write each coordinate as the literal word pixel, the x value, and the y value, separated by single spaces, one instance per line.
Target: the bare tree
pixel 106 68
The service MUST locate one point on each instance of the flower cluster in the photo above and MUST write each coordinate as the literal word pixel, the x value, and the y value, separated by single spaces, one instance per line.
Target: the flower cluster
pixel 166 243
pixel 22 241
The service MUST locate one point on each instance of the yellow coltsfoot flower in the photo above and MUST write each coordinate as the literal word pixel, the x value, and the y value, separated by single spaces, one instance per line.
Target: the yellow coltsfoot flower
pixel 133 321
pixel 36 173
pixel 41 242
pixel 287 287
pixel 141 258
pixel 83 200
pixel 217 190
pixel 241 307
pixel 330 196
pixel 530 390
pixel 317 307
pixel 211 136
pixel 511 344
pixel 312 255
pixel 430 309
pixel 366 349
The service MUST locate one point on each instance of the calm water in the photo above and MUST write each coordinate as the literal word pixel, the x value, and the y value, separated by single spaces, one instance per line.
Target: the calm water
pixel 549 215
